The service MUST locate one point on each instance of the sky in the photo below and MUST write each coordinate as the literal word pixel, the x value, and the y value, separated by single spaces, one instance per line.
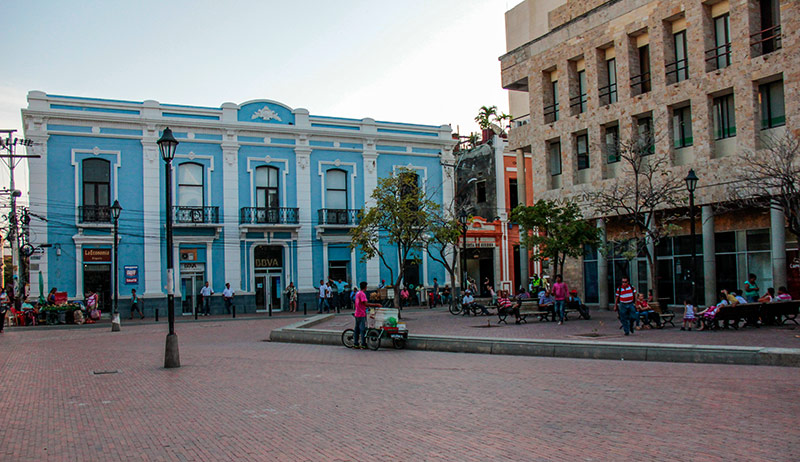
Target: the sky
pixel 416 61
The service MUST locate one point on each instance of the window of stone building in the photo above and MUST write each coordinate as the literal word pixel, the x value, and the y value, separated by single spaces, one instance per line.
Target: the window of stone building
pixel 724 117
pixel 607 83
pixel 682 127
pixel 720 55
pixel 611 144
pixel 640 65
pixel 740 253
pixel 678 70
pixel 555 158
pixel 578 102
pixel 646 143
pixel 582 151
pixel 190 185
pixel 591 291
pixel 551 112
pixel 765 27
pixel 773 113
pixel 480 191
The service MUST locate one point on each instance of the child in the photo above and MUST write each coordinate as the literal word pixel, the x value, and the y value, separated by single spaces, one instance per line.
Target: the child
pixel 688 315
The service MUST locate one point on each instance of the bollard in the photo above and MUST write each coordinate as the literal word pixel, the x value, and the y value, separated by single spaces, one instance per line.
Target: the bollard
pixel 270 310
pixel 195 313
pixel 305 309
pixel 234 310
pixel 156 314
pixel 337 308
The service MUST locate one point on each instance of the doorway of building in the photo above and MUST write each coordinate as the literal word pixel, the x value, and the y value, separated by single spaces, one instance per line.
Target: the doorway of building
pixel 190 293
pixel 97 278
pixel 269 291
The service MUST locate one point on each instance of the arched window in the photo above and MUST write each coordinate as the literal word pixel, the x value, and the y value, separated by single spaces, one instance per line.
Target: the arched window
pixel 336 189
pixel 96 190
pixel 191 185
pixel 267 187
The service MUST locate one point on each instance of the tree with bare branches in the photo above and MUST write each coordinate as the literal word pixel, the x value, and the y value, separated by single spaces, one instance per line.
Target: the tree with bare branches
pixel 644 196
pixel 770 178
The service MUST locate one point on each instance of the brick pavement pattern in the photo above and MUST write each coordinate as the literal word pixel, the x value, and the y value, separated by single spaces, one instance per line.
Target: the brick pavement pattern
pixel 240 398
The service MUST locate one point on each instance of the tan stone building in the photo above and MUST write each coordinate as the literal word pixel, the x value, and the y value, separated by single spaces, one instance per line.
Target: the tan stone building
pixel 710 78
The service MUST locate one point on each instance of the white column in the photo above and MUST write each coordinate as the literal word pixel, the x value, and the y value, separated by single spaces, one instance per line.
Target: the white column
pixel 152 197
pixel 79 270
pixel 305 277
pixel 209 265
pixel 370 157
pixel 602 268
pixel 709 256
pixel 777 222
pixel 176 273
pixel 325 261
pixel 230 217
pixel 37 191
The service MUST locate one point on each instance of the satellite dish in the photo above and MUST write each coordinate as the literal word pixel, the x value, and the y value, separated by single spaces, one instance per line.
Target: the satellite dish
pixel 496 129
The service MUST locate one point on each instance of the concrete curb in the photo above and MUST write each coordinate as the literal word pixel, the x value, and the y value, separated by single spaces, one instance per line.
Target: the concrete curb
pixel 300 332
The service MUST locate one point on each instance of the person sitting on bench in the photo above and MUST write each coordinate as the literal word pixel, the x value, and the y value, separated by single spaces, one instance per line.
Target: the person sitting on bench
pixel 468 304
pixel 574 303
pixel 504 305
pixel 646 313
pixel 547 303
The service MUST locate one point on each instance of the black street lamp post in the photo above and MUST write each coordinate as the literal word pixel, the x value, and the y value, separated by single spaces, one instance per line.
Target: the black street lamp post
pixel 115 211
pixel 167 145
pixel 463 220
pixel 691 185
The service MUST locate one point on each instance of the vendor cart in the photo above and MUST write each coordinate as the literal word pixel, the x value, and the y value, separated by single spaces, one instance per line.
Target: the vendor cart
pixel 381 323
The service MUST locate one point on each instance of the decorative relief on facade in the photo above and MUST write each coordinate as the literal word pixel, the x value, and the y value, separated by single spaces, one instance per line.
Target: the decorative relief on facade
pixel 150 155
pixel 191 155
pixel 230 157
pixel 371 166
pixel 266 114
pixel 337 162
pixel 96 151
pixel 302 162
pixel 95 130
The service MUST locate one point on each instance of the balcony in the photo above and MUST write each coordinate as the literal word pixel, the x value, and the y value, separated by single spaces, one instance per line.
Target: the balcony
pixel 268 216
pixel 195 215
pixel 718 57
pixel 766 41
pixel 339 217
pixel 97 214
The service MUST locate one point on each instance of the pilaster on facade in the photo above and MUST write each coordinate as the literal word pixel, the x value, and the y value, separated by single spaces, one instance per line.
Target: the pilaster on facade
pixel 152 193
pixel 230 205
pixel 305 237
pixel 370 157
pixel 37 191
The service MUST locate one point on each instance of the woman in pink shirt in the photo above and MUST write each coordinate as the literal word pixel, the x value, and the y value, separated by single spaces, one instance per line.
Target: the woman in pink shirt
pixel 560 294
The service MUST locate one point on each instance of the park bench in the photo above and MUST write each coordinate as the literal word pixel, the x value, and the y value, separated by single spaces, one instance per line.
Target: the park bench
pixel 732 315
pixel 780 312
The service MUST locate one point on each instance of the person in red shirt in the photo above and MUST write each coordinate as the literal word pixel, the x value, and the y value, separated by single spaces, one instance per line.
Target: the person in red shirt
pixel 624 303
pixel 360 313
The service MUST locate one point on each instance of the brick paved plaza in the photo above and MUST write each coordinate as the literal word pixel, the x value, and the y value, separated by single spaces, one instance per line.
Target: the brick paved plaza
pixel 240 398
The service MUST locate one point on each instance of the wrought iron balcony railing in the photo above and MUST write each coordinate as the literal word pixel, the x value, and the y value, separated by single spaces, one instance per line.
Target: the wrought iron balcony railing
pixel 94 214
pixel 268 215
pixel 339 216
pixel 185 214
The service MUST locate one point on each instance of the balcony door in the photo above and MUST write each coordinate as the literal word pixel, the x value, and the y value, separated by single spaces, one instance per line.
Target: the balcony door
pixel 336 197
pixel 191 189
pixel 96 190
pixel 267 199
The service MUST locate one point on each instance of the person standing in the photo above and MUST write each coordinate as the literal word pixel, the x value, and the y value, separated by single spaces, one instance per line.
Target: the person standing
pixel 291 295
pixel 227 296
pixel 322 300
pixel 3 308
pixel 135 304
pixel 206 292
pixel 360 313
pixel 624 304
pixel 329 297
pixel 560 294
pixel 436 300
pixel 751 289
pixel 341 293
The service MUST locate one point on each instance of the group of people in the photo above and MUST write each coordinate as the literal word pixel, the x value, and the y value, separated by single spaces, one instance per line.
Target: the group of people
pixel 333 294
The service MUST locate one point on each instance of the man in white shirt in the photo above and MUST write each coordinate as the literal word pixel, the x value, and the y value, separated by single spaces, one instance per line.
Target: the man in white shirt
pixel 206 293
pixel 322 301
pixel 227 295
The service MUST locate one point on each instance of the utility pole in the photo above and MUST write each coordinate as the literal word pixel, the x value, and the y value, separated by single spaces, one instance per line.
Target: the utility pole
pixel 9 143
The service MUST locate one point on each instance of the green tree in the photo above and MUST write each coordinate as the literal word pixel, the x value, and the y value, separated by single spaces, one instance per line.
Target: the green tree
pixel 486 116
pixel 399 218
pixel 442 239
pixel 554 231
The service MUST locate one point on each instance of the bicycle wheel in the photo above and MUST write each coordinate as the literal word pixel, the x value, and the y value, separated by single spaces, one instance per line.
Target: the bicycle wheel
pixel 455 308
pixel 347 338
pixel 399 343
pixel 374 339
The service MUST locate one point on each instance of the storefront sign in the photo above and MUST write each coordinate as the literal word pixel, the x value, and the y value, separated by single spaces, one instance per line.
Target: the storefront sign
pixel 131 274
pixel 96 255
pixel 268 256
pixel 193 267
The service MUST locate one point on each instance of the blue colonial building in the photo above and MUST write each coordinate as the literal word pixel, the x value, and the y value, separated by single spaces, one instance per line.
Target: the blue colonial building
pixel 263 195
